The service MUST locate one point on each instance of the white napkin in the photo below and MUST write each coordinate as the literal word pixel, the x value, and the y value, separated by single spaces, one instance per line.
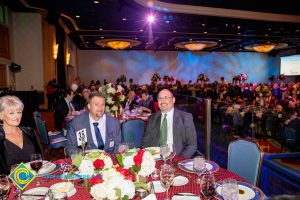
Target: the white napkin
pixel 150 197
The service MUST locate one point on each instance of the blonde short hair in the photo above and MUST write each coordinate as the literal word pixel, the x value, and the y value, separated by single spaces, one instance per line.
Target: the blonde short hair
pixel 9 101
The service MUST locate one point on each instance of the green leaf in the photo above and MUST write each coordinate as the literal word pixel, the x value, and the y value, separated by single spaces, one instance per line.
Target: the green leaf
pixel 130 153
pixel 136 168
pixel 118 192
pixel 77 160
pixel 120 160
pixel 125 197
pixel 141 185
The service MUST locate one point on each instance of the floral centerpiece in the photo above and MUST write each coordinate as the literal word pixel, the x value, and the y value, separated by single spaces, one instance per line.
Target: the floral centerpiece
pixel 262 91
pixel 92 163
pixel 140 161
pixel 114 97
pixel 115 183
pixel 155 77
pixel 243 77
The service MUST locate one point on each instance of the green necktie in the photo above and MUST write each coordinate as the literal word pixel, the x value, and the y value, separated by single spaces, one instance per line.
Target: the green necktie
pixel 163 131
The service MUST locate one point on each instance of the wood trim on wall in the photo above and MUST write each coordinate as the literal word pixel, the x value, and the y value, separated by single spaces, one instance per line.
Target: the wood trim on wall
pixel 4 42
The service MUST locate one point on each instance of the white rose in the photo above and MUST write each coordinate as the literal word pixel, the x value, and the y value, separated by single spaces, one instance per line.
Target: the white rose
pixel 108 163
pixel 111 90
pixel 120 88
pixel 148 164
pixel 86 167
pixel 128 162
pixel 122 98
pixel 109 100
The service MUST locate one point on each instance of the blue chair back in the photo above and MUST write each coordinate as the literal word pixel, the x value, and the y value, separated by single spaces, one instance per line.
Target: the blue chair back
pixel 289 136
pixel 245 159
pixel 41 127
pixel 37 114
pixel 133 131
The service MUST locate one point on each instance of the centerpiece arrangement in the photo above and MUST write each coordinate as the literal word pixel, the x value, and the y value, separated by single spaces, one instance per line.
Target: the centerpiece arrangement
pixel 262 92
pixel 114 98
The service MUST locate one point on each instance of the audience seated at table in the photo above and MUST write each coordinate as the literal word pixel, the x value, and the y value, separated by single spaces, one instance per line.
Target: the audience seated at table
pixel 171 126
pixel 102 131
pixel 17 143
pixel 63 107
pixel 146 104
pixel 131 103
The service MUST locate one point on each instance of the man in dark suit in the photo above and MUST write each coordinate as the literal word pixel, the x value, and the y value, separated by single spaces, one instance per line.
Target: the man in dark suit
pixel 171 126
pixel 100 130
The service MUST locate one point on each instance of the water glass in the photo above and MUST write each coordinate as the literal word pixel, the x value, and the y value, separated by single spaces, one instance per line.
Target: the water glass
pixel 164 151
pixel 230 189
pixel 4 186
pixel 199 167
pixel 167 174
pixel 155 174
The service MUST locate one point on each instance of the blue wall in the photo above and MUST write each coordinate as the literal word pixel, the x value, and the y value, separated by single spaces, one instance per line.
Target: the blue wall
pixel 140 65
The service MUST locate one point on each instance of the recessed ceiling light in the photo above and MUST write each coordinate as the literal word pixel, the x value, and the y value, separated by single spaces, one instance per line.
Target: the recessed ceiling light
pixel 102 37
pixel 141 30
pixel 96 1
pixel 203 24
pixel 220 40
pixel 174 31
pixel 221 45
pixel 100 29
pixel 136 38
pixel 87 42
pixel 77 16
pixel 205 32
pixel 297 30
pixel 191 39
pixel 269 29
pixel 167 21
pixel 238 27
pixel 239 33
pixel 240 49
pixel 147 42
pixel 266 34
pixel 124 19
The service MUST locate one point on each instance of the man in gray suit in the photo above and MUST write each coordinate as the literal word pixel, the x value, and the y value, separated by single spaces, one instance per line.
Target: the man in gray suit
pixel 100 130
pixel 171 126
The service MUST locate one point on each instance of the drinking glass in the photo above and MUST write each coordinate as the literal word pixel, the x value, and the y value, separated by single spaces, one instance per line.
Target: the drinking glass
pixel 208 186
pixel 230 189
pixel 60 196
pixel 4 186
pixel 36 162
pixel 74 153
pixel 123 147
pixel 155 174
pixel 164 151
pixel 199 167
pixel 172 153
pixel 166 178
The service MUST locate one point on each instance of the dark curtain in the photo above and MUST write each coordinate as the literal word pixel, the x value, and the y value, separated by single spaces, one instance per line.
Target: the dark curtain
pixel 60 66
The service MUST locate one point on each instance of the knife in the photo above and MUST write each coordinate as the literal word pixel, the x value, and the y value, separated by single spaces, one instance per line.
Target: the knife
pixel 187 195
pixel 33 195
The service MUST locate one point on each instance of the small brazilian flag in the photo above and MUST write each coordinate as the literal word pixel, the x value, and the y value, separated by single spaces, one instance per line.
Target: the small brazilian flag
pixel 21 176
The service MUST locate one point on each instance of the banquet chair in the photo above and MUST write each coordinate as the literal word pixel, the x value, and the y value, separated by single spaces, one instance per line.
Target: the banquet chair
pixel 245 159
pixel 288 139
pixel 133 132
pixel 50 133
pixel 51 142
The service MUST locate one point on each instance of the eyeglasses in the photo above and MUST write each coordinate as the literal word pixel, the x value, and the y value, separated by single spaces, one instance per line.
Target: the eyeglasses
pixel 163 98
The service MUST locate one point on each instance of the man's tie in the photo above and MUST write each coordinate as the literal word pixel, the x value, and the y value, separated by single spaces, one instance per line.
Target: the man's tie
pixel 163 131
pixel 98 136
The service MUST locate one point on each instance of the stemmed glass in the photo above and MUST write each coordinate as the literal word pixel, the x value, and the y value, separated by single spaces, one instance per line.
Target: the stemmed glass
pixel 167 178
pixel 199 167
pixel 172 153
pixel 36 163
pixel 4 186
pixel 208 186
pixel 230 189
pixel 164 151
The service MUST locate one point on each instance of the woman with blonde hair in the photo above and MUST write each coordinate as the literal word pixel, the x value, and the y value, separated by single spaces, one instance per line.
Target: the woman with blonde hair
pixel 17 143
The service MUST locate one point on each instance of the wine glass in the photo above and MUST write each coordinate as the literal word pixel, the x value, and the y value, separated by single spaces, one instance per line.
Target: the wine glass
pixel 36 163
pixel 164 151
pixel 230 189
pixel 166 178
pixel 208 186
pixel 172 152
pixel 199 167
pixel 4 186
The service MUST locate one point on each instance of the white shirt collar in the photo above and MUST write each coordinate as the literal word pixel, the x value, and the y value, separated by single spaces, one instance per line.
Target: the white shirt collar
pixel 170 113
pixel 103 118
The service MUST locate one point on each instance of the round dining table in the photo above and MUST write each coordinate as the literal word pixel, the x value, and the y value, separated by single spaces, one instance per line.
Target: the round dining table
pixel 191 187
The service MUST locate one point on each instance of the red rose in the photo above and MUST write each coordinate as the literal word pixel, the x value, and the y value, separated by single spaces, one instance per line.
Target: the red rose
pixel 129 177
pixel 138 160
pixel 98 164
pixel 96 180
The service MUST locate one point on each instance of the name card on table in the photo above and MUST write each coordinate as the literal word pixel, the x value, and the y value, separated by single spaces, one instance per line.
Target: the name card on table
pixel 81 135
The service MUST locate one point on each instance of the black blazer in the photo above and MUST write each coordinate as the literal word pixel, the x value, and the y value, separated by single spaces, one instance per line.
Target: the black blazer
pixel 27 131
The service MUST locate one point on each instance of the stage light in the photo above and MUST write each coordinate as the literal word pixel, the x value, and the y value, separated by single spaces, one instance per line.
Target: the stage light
pixel 151 18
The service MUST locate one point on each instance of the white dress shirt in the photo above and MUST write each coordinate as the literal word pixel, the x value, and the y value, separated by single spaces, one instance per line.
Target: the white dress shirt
pixel 101 126
pixel 170 115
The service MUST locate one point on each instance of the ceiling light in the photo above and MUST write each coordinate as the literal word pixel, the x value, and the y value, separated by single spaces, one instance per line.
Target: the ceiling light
pixel 265 47
pixel 205 32
pixel 118 44
pixel 102 37
pixel 100 29
pixel 167 21
pixel 151 18
pixel 96 1
pixel 124 19
pixel 77 16
pixel 196 45
pixel 141 30
pixel 174 31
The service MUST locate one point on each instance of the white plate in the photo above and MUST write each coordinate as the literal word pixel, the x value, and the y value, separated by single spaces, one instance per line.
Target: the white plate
pixel 158 188
pixel 47 168
pixel 177 197
pixel 155 151
pixel 37 191
pixel 187 165
pixel 66 187
pixel 248 192
pixel 180 180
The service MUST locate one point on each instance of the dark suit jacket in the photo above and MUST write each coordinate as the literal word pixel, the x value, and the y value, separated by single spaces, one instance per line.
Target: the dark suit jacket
pixel 113 132
pixel 61 110
pixel 184 133
pixel 29 133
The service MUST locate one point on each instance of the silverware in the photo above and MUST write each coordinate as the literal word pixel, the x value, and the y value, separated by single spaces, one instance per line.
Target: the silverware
pixel 186 195
pixel 33 195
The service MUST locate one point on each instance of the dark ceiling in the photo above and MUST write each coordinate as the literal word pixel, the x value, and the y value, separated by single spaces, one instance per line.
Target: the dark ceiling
pixel 126 19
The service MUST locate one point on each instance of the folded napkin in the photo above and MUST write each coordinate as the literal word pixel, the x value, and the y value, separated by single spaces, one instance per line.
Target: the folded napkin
pixel 185 197
pixel 150 197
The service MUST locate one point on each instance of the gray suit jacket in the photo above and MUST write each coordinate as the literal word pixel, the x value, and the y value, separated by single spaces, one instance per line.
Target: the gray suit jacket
pixel 113 132
pixel 184 133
